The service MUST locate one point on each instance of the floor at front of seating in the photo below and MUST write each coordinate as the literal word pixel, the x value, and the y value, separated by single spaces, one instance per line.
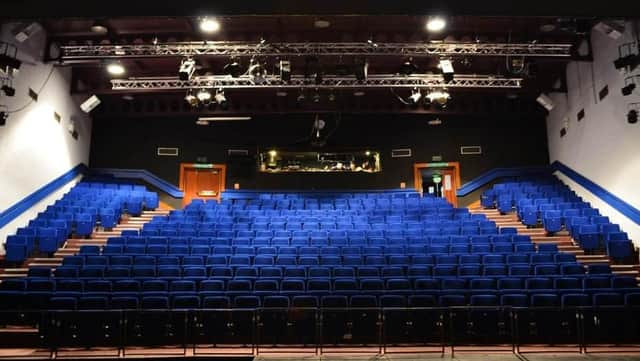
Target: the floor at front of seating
pixel 363 354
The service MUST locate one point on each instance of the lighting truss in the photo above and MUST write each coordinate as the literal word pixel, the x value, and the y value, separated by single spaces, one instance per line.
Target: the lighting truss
pixel 332 82
pixel 86 53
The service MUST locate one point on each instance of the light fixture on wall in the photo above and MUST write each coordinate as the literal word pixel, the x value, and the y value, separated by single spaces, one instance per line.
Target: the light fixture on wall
pixel 629 85
pixel 8 90
pixel 632 116
pixel 91 103
pixel 3 118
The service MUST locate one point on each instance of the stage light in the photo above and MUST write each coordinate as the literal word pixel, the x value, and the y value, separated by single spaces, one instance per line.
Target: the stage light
pixel 8 90
pixel 415 96
pixel 209 25
pixel 316 97
pixel 628 89
pixel 187 69
pixel 439 97
pixel 331 97
pixel 88 105
pixel 273 153
pixel 233 68
pixel 281 93
pixel 436 24
pixel 99 27
pixel 632 116
pixel 221 99
pixel 285 70
pixel 116 69
pixel 408 67
pixel 358 93
pixel 204 95
pixel 9 64
pixel 301 96
pixel 545 101
pixel 257 72
pixel 191 99
pixel 446 66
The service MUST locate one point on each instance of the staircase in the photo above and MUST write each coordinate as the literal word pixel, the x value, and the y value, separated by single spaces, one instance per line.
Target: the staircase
pixel 72 245
pixel 562 239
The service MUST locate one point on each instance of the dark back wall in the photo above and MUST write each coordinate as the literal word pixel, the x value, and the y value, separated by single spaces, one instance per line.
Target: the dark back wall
pixel 506 141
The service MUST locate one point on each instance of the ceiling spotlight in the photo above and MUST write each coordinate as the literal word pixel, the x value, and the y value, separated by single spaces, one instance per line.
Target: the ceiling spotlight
pixel 204 96
pixel 187 68
pixel 439 97
pixel 99 27
pixel 209 25
pixel 233 68
pixel 257 72
pixel 408 67
pixel 285 70
pixel 115 69
pixel 632 116
pixel 436 24
pixel 221 99
pixel 191 99
pixel 8 90
pixel 281 93
pixel 301 96
pixel 321 24
pixel 415 96
pixel 628 89
pixel 358 93
pixel 331 97
pixel 446 66
pixel 316 97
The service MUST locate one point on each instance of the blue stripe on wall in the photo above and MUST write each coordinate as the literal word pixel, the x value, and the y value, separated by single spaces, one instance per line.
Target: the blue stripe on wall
pixel 144 175
pixel 497 173
pixel 29 201
pixel 616 203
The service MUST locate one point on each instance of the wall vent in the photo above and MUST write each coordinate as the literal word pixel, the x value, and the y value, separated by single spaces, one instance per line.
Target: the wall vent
pixel 237 152
pixel 401 153
pixel 470 149
pixel 168 152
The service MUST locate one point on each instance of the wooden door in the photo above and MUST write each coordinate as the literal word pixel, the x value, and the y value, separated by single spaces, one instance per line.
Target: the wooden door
pixel 204 181
pixel 450 174
pixel 448 185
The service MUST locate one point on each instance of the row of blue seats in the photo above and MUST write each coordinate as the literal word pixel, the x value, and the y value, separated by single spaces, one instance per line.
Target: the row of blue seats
pixel 309 272
pixel 327 285
pixel 392 301
pixel 230 233
pixel 329 221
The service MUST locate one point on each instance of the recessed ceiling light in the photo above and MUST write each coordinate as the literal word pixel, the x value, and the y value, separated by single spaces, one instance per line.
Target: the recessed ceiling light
pixel 436 24
pixel 321 24
pixel 115 69
pixel 209 25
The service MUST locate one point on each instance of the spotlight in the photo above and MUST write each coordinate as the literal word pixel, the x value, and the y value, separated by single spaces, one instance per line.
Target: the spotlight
pixel 301 96
pixel 221 99
pixel 9 64
pixel 281 93
pixel 361 70
pixel 209 25
pixel 545 101
pixel 446 66
pixel 99 27
pixel 204 96
pixel 3 118
pixel 187 68
pixel 436 24
pixel 191 99
pixel 632 116
pixel 88 105
pixel 285 70
pixel 316 97
pixel 415 96
pixel 234 69
pixel 408 67
pixel 8 90
pixel 115 69
pixel 331 97
pixel 257 72
pixel 627 90
pixel 358 93
pixel 439 97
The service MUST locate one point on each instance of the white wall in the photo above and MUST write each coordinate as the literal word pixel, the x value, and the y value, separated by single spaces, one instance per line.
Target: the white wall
pixel 603 147
pixel 34 147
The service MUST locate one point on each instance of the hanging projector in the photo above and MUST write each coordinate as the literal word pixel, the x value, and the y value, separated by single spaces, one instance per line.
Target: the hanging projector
pixel 187 68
